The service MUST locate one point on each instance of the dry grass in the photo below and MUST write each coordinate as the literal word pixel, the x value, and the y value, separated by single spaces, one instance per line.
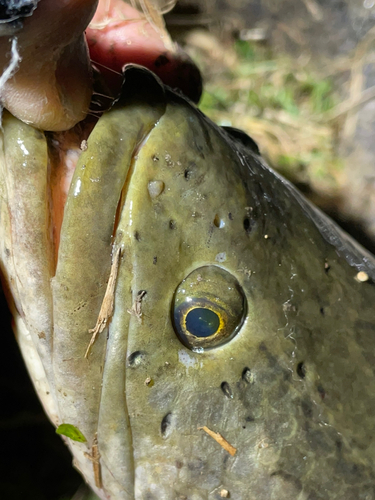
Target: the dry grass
pixel 278 101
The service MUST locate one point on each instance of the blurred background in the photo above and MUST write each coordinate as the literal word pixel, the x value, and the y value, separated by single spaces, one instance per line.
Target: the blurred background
pixel 299 77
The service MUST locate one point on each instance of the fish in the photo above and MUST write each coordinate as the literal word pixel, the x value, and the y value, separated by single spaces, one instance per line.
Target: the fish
pixel 204 330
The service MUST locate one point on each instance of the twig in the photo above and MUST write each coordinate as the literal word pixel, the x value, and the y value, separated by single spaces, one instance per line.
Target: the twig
pixel 106 310
pixel 137 305
pixel 94 456
pixel 219 439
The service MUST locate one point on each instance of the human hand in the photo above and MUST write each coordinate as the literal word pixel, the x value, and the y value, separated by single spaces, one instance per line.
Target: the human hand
pixel 47 75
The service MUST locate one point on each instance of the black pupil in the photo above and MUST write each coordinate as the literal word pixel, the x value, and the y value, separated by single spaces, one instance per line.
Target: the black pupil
pixel 202 322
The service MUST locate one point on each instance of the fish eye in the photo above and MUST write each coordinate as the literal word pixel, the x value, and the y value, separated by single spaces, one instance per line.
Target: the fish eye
pixel 209 308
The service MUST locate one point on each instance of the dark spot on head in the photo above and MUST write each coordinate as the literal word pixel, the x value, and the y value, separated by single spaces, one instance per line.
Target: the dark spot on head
pixel 249 224
pixel 7 252
pixel 137 235
pixel 225 387
pixel 230 216
pixel 249 418
pixel 210 232
pixel 154 260
pixel 322 312
pixel 301 369
pixel 166 426
pixel 317 440
pixel 307 410
pixel 272 360
pixel 321 391
pixel 198 465
pixel 338 444
pixel 190 170
pixel 247 375
pixel 199 148
pixel 162 60
pixel 172 224
pixel 136 358
pixel 155 158
pixel 179 464
pixel 288 479
pixel 149 496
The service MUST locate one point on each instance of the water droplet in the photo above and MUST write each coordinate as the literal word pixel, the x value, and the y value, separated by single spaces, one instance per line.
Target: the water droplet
pixel 221 257
pixel 77 188
pixel 155 188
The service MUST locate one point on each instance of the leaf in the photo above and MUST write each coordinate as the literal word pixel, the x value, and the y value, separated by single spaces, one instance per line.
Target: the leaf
pixel 71 432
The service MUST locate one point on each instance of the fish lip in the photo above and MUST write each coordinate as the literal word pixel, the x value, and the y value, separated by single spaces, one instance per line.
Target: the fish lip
pixel 139 84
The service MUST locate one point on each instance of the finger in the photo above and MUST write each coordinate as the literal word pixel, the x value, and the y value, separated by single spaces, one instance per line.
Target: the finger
pixel 51 84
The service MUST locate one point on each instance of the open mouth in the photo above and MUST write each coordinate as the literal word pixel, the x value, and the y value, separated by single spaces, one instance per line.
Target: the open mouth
pixel 63 222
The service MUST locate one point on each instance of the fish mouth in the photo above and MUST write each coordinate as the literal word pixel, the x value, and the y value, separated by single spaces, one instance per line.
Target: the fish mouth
pixel 73 210
pixel 97 229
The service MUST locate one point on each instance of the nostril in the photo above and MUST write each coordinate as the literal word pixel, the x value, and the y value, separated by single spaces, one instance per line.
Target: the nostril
pixel 301 370
pixel 225 387
pixel 247 376
pixel 136 358
pixel 166 426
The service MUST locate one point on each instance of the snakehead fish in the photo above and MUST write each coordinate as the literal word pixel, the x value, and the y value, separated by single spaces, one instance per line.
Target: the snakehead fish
pixel 206 331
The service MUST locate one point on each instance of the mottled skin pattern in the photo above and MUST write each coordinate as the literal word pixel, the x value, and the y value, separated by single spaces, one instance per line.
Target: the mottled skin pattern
pixel 299 397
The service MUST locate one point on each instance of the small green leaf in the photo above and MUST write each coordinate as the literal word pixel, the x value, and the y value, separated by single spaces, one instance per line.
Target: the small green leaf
pixel 71 432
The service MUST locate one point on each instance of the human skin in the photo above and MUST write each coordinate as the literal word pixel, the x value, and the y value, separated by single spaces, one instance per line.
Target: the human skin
pixel 51 85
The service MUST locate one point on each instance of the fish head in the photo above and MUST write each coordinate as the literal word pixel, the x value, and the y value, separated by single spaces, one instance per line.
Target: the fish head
pixel 202 337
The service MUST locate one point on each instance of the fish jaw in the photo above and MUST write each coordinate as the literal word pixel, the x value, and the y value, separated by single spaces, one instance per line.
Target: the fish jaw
pixel 291 393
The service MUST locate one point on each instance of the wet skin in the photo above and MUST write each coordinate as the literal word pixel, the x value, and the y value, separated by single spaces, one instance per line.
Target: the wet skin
pixel 292 388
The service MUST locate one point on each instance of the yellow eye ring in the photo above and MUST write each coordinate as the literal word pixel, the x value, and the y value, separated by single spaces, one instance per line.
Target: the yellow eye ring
pixel 209 308
pixel 202 321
